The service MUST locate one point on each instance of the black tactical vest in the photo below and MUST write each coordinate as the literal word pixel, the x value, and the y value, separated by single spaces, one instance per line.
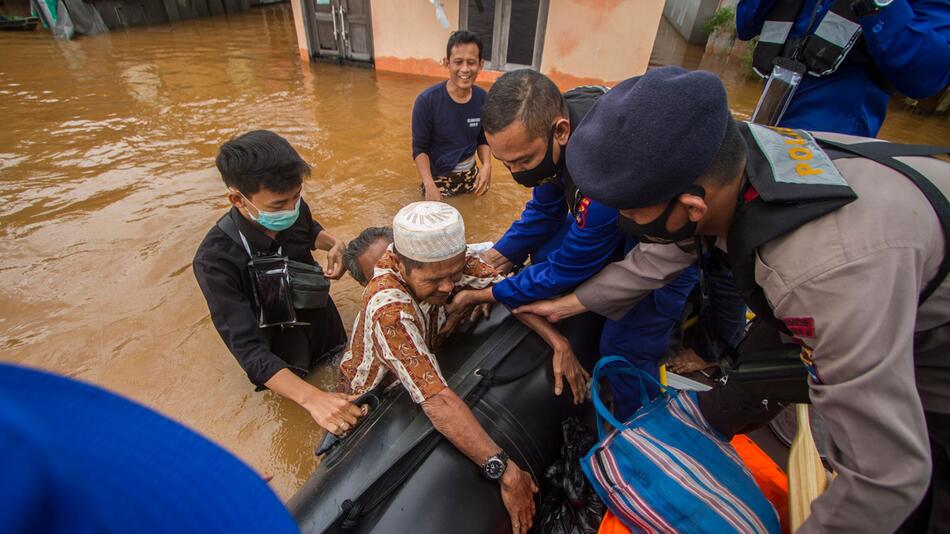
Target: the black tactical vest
pixel 579 101
pixel 790 181
pixel 826 44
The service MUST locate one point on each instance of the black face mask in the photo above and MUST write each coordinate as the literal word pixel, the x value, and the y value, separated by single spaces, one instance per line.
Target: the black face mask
pixel 655 231
pixel 543 172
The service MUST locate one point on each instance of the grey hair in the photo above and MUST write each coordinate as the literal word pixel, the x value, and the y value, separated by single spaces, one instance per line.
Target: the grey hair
pixel 359 244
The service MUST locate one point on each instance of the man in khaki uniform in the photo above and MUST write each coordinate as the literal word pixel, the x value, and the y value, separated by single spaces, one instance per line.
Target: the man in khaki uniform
pixel 845 252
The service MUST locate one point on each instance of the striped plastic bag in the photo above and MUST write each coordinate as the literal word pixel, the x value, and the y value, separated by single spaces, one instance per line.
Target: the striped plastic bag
pixel 667 470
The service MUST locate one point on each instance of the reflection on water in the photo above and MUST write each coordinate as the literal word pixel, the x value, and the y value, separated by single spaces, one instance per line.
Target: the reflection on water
pixel 107 187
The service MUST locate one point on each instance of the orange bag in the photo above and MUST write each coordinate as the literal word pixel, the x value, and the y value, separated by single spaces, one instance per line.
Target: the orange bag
pixel 771 479
pixel 612 525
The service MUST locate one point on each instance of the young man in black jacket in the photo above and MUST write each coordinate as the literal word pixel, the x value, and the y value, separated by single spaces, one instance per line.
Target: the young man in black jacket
pixel 264 178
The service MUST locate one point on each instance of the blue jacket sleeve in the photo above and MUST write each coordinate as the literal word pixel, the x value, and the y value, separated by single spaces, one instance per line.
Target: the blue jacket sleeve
pixel 750 15
pixel 910 43
pixel 421 126
pixel 540 220
pixel 586 249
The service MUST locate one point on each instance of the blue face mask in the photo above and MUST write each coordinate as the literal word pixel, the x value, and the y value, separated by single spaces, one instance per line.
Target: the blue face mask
pixel 275 221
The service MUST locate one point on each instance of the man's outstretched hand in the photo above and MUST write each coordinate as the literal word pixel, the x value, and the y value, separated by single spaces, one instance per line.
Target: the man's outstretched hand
pixel 554 310
pixel 335 268
pixel 333 411
pixel 496 260
pixel 468 305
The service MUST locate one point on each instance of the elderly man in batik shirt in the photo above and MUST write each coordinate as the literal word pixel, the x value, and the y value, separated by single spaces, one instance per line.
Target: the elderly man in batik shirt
pixel 403 321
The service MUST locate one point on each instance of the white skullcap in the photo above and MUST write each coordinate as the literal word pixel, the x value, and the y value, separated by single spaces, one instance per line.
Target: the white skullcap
pixel 429 231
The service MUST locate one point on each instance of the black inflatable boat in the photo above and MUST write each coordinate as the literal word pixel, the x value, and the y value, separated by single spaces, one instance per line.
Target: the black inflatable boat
pixel 395 473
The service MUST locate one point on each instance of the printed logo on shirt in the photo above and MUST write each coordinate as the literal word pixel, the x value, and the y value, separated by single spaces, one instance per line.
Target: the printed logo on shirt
pixel 474 122
pixel 806 357
pixel 800 326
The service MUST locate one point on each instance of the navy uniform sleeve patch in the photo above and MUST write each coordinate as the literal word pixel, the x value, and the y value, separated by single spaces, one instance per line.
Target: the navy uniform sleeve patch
pixel 806 357
pixel 581 209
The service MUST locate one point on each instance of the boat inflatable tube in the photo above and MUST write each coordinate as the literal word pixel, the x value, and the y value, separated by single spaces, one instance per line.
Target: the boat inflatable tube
pixel 395 473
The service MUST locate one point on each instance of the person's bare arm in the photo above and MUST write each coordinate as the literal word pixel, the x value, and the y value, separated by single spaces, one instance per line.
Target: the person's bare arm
pixel 470 297
pixel 332 411
pixel 494 258
pixel 563 360
pixel 454 420
pixel 425 172
pixel 554 309
pixel 334 248
pixel 483 181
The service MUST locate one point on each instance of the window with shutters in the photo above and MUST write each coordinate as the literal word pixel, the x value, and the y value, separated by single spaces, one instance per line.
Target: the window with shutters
pixel 512 31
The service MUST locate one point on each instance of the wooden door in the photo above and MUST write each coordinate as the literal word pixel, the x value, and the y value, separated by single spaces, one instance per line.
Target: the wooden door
pixel 357 29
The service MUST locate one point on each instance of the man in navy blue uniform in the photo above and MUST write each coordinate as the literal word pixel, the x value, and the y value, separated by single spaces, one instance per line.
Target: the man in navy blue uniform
pixel 857 52
pixel 568 237
pixel 447 126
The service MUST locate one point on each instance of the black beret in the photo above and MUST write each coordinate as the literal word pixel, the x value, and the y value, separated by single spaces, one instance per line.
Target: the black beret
pixel 649 138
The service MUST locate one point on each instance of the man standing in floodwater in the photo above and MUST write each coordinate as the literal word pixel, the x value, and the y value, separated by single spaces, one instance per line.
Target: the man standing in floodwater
pixel 447 125
pixel 268 218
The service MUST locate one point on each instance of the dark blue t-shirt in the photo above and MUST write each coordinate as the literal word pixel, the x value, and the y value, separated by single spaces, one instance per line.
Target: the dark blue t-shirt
pixel 447 131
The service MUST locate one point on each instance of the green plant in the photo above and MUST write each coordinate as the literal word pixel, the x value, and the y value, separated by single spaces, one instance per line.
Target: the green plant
pixel 724 19
pixel 746 59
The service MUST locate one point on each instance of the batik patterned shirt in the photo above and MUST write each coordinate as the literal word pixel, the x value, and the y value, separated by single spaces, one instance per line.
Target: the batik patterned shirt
pixel 394 336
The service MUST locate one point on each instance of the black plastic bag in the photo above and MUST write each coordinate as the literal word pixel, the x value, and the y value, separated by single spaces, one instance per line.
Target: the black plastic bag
pixel 571 506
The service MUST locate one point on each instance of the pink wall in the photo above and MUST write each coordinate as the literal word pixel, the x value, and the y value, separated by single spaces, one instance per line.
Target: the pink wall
pixel 599 41
pixel 586 41
pixel 407 36
pixel 302 47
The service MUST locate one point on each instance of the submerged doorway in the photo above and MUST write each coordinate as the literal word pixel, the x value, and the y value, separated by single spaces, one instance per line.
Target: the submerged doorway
pixel 340 30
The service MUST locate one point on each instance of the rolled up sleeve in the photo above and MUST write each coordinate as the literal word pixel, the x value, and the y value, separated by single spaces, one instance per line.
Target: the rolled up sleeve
pixel 477 273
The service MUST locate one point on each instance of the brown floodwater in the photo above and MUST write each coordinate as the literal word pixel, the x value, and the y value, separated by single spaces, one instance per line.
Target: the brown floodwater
pixel 107 186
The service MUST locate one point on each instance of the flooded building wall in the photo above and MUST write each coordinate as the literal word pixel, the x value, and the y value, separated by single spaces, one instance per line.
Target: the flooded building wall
pixel 689 16
pixel 300 29
pixel 117 14
pixel 408 37
pixel 575 42
pixel 600 42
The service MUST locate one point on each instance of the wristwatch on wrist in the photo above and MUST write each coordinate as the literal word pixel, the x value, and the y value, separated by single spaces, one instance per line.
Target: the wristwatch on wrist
pixel 863 8
pixel 494 467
